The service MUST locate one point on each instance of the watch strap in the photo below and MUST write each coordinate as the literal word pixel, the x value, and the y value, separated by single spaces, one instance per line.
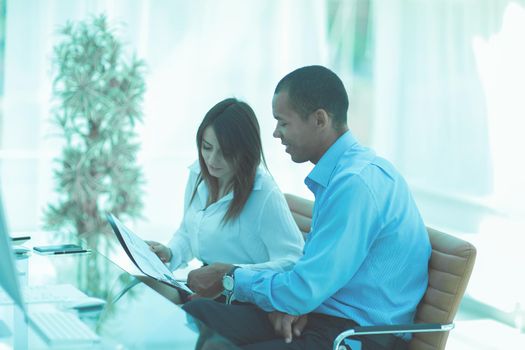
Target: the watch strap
pixel 229 293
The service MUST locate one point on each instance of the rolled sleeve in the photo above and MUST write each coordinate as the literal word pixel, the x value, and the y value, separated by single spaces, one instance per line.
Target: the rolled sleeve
pixel 278 233
pixel 181 251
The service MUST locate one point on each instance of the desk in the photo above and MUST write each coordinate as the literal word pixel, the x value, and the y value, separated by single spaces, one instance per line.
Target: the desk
pixel 141 319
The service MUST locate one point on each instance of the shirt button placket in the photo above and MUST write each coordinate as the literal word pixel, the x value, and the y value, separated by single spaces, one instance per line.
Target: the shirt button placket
pixel 200 219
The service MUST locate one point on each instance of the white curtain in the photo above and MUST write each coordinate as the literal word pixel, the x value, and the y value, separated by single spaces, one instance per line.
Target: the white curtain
pixel 197 52
pixel 449 101
pixel 435 113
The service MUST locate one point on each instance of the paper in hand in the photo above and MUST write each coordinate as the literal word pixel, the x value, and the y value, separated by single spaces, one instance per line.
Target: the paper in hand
pixel 141 254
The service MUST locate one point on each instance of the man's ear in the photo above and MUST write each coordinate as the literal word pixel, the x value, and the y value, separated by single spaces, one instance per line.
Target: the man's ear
pixel 322 119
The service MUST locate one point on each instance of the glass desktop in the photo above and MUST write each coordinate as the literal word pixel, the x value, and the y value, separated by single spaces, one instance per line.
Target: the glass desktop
pixel 136 315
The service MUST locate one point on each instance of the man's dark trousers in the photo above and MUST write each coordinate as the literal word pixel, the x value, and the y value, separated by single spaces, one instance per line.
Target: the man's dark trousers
pixel 248 327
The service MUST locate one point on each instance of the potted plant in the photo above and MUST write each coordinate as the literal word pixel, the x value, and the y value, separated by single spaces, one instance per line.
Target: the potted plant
pixel 98 98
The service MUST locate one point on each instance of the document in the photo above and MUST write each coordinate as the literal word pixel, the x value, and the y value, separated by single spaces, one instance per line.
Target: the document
pixel 141 255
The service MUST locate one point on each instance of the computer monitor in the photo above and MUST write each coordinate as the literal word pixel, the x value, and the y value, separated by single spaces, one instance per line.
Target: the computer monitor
pixel 8 272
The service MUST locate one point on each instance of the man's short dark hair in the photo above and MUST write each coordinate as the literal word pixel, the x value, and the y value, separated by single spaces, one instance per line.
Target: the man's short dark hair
pixel 316 87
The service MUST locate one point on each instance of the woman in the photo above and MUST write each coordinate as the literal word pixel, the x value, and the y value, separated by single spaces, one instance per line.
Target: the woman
pixel 234 213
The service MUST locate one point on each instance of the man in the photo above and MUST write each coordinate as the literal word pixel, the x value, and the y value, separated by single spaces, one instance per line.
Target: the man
pixel 365 260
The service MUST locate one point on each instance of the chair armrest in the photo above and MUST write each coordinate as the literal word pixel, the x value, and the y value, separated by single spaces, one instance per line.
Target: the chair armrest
pixel 395 329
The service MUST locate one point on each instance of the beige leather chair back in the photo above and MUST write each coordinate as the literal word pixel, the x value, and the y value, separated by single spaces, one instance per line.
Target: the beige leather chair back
pixel 449 269
pixel 301 209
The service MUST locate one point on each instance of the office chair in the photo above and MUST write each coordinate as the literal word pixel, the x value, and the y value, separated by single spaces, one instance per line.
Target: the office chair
pixel 301 209
pixel 449 270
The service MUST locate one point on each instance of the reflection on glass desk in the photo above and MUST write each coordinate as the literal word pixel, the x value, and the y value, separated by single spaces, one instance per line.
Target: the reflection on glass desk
pixel 132 318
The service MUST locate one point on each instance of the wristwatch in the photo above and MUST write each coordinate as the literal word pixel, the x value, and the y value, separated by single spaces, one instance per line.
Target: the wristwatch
pixel 228 283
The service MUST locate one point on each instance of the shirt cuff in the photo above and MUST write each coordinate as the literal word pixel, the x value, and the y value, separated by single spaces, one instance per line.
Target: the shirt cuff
pixel 243 284
pixel 174 263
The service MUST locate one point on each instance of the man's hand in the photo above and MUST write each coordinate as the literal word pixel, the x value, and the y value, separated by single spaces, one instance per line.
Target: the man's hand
pixel 163 252
pixel 286 325
pixel 207 281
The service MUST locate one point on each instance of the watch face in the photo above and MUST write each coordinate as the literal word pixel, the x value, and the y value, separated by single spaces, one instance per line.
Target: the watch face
pixel 227 283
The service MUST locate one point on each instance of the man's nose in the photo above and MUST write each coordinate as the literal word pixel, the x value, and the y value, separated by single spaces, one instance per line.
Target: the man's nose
pixel 276 133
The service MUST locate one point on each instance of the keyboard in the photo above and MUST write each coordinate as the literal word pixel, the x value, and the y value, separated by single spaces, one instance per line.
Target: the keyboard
pixel 60 328
pixel 47 294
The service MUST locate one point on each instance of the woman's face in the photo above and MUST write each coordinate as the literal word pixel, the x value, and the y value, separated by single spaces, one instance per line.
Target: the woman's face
pixel 213 158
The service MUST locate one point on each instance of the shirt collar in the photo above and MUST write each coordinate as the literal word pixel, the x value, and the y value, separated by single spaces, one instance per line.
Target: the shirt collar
pixel 324 168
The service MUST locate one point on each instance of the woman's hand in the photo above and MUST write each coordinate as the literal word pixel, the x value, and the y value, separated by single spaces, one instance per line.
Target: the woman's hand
pixel 163 252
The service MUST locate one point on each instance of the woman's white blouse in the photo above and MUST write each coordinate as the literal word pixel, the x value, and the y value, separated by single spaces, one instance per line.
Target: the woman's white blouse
pixel 263 236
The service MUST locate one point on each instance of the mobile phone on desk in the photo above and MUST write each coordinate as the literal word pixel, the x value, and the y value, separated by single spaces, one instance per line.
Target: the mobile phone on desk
pixel 20 239
pixel 60 249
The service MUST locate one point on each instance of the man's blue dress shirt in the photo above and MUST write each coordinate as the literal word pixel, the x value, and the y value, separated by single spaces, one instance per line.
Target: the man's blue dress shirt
pixel 366 256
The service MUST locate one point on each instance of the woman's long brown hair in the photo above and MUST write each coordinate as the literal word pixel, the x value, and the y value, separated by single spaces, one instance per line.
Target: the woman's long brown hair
pixel 238 133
